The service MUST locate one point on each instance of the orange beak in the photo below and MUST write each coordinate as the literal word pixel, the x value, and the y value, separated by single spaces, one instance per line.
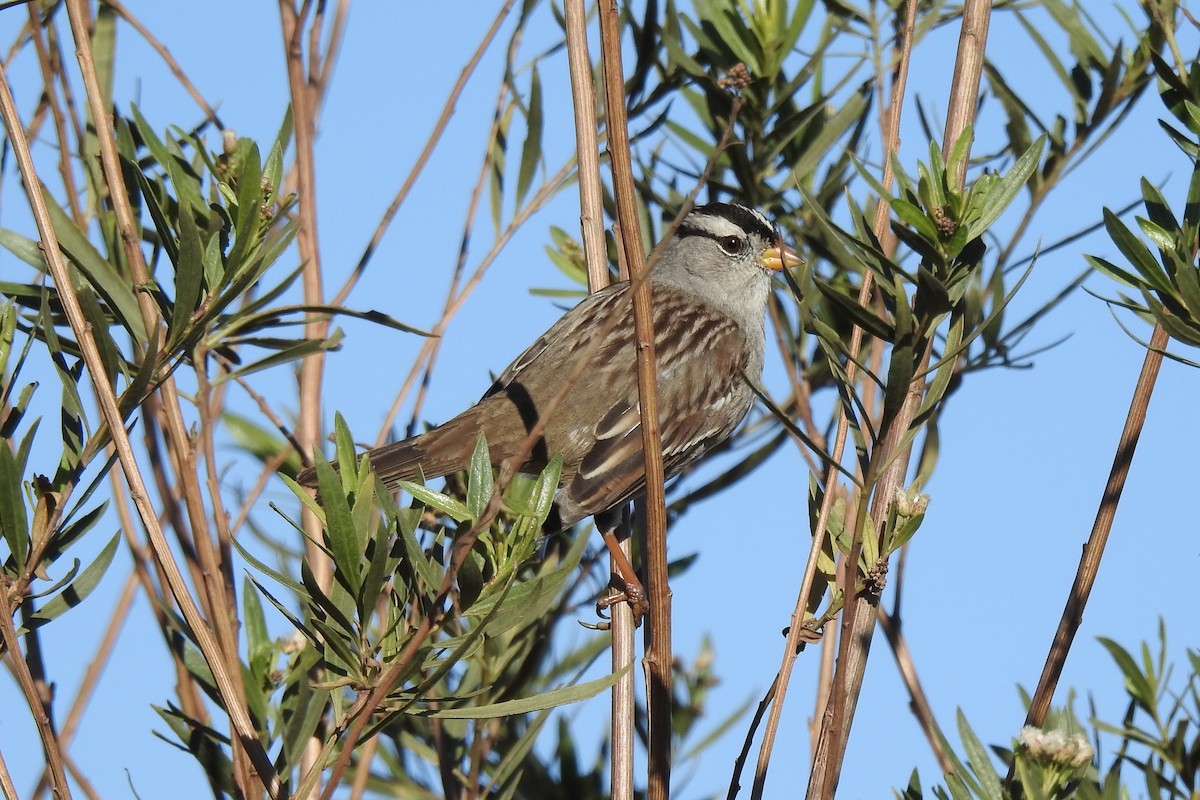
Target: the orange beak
pixel 780 256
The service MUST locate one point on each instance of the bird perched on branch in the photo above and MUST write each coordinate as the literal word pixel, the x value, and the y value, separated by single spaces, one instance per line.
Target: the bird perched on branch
pixel 709 298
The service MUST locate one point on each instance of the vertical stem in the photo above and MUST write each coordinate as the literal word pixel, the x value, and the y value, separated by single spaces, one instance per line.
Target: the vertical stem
pixel 583 92
pixel 37 709
pixel 658 629
pixel 1089 563
pixel 591 218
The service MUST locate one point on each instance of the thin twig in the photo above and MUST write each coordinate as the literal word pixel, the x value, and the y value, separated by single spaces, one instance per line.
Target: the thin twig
pixel 7 787
pixel 1093 551
pixel 423 158
pixel 39 711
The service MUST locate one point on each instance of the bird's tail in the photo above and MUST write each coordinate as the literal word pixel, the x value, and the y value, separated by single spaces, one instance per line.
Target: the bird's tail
pixel 438 452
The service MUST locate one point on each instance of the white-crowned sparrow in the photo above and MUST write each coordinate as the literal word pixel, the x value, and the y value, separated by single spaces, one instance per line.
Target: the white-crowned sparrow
pixel 710 291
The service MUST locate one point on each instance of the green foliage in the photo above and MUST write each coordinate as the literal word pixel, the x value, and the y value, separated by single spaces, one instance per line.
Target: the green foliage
pixel 1169 284
pixel 458 609
pixel 471 643
pixel 1157 744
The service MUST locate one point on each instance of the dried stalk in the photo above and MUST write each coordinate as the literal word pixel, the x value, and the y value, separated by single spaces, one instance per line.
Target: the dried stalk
pixel 1093 551
pixel 658 657
pixel 20 670
pixel 591 217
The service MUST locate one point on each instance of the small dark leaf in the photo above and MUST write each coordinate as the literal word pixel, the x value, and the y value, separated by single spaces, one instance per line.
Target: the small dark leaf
pixel 77 592
pixel 864 318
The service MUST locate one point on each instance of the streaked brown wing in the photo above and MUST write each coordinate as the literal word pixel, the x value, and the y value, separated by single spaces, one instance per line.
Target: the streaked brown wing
pixel 702 361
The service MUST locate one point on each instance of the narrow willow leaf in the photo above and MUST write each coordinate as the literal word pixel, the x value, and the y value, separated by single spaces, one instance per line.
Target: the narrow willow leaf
pixel 980 761
pixel 14 521
pixel 104 51
pixel 1002 194
pixel 302 709
pixel 1137 684
pixel 249 212
pixel 450 506
pixel 98 270
pixel 544 490
pixel 380 564
pixel 526 705
pixel 343 541
pixel 1187 280
pixel 901 369
pixel 303 348
pixel 78 591
pixel 24 248
pixel 531 151
pixel 912 215
pixel 308 633
pixel 470 581
pixel 189 278
pixel 99 323
pixel 1136 252
pixel 1161 238
pixel 259 647
pixel 864 318
pixel 480 479
pixel 1105 267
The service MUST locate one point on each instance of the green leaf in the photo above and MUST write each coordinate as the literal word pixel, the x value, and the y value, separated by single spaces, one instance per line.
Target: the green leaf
pixel 480 479
pixel 343 540
pixel 531 151
pixel 1001 194
pixel 1161 238
pixel 77 592
pixel 980 761
pixel 530 600
pixel 98 270
pixel 912 215
pixel 526 705
pixel 1111 270
pixel 259 647
pixel 14 521
pixel 1136 252
pixel 1136 683
pixel 450 506
pixel 189 278
pixel 24 248
pixel 864 318
pixel 302 348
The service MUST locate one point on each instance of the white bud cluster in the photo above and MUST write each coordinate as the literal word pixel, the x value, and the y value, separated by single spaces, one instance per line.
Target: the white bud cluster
pixel 1056 747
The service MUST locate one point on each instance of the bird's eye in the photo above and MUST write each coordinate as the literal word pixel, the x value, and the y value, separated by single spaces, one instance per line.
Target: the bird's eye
pixel 731 244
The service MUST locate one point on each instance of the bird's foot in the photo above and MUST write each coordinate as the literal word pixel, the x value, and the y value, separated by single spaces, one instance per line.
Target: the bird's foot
pixel 634 594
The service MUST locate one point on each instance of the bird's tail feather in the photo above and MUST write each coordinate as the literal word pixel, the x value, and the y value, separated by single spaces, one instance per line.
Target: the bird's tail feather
pixel 438 452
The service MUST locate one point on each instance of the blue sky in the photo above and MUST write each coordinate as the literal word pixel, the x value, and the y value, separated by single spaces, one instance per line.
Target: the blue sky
pixel 1024 452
